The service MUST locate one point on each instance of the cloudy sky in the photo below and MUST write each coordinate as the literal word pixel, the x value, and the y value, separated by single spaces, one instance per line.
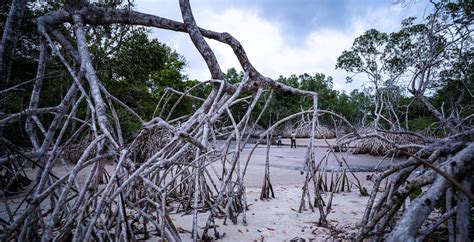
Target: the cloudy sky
pixel 282 37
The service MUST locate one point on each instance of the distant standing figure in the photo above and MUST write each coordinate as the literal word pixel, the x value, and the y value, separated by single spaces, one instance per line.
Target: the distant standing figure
pixel 279 140
pixel 293 139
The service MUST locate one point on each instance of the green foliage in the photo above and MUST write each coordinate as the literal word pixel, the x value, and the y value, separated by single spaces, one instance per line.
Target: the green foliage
pixel 421 123
pixel 355 106
pixel 25 61
pixel 139 71
pixel 378 55
pixel 232 76
pixel 133 67
pixel 459 80
pixel 284 104
pixel 436 54
pixel 413 195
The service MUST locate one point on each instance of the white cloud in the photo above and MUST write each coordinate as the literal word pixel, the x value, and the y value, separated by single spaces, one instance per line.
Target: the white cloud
pixel 266 42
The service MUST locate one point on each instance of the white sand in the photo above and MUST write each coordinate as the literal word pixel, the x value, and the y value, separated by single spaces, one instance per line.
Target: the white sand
pixel 275 219
pixel 278 219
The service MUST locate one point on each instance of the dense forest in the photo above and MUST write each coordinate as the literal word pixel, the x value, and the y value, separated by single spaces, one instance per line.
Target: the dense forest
pixel 84 84
pixel 140 71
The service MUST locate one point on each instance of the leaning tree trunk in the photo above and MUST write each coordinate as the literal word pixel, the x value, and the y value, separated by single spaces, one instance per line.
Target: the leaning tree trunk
pixel 7 47
pixel 445 163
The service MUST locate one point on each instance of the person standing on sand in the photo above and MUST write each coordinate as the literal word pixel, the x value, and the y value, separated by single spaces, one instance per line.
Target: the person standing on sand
pixel 279 140
pixel 293 139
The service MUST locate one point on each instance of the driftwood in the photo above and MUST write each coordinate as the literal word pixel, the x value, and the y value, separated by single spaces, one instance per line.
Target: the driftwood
pixel 381 214
pixel 375 142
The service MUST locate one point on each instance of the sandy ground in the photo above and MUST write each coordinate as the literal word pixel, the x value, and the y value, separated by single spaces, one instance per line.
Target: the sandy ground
pixel 277 219
pixel 286 161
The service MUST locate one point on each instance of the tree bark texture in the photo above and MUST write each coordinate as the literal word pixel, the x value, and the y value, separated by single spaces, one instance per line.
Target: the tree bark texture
pixel 171 161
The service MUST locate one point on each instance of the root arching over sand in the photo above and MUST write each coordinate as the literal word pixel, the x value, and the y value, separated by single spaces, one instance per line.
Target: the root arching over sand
pixel 173 161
